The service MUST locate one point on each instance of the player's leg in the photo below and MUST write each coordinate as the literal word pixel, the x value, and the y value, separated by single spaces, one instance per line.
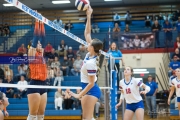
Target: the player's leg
pixel 42 107
pixel 128 114
pixel 139 114
pixel 88 102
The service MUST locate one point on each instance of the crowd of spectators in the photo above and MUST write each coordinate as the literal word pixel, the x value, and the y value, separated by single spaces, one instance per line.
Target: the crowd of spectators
pixel 4 30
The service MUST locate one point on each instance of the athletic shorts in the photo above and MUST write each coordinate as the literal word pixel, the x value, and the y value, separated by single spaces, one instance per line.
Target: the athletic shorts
pixel 178 99
pixel 134 106
pixel 37 90
pixel 94 91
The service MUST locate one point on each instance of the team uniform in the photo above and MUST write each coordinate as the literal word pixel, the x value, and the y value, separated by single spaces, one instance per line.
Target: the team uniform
pixel 132 94
pixel 176 83
pixel 89 68
pixel 38 74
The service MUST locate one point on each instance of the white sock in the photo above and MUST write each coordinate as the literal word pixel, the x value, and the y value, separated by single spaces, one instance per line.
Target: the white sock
pixel 31 117
pixel 40 117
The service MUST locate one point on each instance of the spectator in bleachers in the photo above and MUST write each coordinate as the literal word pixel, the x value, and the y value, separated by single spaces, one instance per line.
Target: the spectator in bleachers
pixel 29 44
pixel 177 13
pixel 2 89
pixel 55 63
pixel 1 30
pixel 58 22
pixel 62 49
pixel 151 97
pixel 156 28
pixel 77 102
pixel 21 90
pixel 58 99
pixel 9 90
pixel 68 25
pixel 22 50
pixel 48 49
pixel 127 29
pixel 49 62
pixel 6 30
pixel 70 54
pixel 65 66
pixel 177 43
pixel 168 32
pixel 95 28
pixel 99 103
pixel 137 42
pixel 176 53
pixel 7 72
pixel 1 73
pixel 68 101
pixel 59 77
pixel 116 31
pixel 173 65
pixel 52 54
pixel 167 17
pixel 147 21
pixel 77 66
pixel 178 27
pixel 128 18
pixel 143 43
pixel 22 68
pixel 82 51
pixel 117 19
pixel 50 75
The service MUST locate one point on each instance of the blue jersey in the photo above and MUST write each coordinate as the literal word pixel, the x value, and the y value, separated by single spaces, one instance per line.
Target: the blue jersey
pixel 153 85
pixel 178 26
pixel 115 53
pixel 174 65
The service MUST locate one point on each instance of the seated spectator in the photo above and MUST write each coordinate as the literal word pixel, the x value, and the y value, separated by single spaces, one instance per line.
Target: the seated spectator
pixel 7 72
pixel 2 89
pixel 50 75
pixel 1 73
pixel 22 68
pixel 70 54
pixel 116 19
pixel 136 42
pixel 77 102
pixel 116 31
pixel 55 63
pixel 52 54
pixel 142 43
pixel 95 28
pixel 58 99
pixel 6 30
pixel 49 62
pixel 128 18
pixel 48 49
pixel 173 65
pixel 82 51
pixel 68 26
pixel 9 90
pixel 68 101
pixel 22 51
pixel 147 21
pixel 176 53
pixel 168 33
pixel 99 103
pixel 21 91
pixel 177 43
pixel 58 22
pixel 62 49
pixel 126 30
pixel 65 67
pixel 77 66
pixel 59 77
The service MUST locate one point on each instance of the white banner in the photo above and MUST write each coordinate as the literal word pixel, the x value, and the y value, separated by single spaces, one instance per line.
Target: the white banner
pixel 38 16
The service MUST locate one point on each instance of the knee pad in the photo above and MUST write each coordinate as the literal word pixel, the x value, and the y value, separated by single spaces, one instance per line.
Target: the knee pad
pixel 40 117
pixel 32 117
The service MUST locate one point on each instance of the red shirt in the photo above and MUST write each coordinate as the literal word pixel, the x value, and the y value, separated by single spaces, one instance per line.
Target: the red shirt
pixel 48 48
pixel 22 49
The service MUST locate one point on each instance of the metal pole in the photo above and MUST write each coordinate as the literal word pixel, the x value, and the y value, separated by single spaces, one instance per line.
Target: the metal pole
pixel 123 103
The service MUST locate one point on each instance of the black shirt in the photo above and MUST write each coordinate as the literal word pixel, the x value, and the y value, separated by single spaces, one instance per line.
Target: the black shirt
pixel 10 82
pixel 52 56
pixel 156 27
pixel 70 55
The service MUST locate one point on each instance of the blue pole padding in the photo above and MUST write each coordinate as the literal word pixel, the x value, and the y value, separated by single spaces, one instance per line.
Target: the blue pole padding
pixel 113 97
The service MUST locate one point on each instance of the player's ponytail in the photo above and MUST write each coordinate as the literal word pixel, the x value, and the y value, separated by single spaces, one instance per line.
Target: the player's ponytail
pixel 97 63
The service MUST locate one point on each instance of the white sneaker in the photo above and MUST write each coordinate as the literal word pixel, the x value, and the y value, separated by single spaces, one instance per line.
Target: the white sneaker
pixel 74 108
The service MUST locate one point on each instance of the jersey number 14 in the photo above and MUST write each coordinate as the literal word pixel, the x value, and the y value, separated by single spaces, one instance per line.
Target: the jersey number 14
pixel 128 91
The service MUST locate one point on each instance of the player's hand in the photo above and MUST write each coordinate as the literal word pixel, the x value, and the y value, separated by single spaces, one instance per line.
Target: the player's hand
pixel 143 92
pixel 74 95
pixel 6 113
pixel 117 105
pixel 168 101
pixel 89 11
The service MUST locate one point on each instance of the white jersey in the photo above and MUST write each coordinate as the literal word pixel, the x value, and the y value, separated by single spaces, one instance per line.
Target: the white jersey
pixel 137 42
pixel 131 90
pixel 176 83
pixel 88 68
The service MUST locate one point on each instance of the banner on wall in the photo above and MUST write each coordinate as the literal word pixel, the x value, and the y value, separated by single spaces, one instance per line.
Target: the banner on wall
pixel 136 41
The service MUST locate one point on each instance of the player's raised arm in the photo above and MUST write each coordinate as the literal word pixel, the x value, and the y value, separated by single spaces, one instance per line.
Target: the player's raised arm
pixel 87 32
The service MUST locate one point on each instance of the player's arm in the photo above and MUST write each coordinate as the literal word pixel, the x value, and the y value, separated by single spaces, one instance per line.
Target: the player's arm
pixel 171 92
pixel 87 32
